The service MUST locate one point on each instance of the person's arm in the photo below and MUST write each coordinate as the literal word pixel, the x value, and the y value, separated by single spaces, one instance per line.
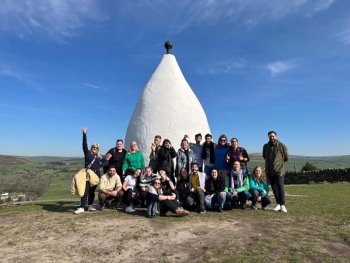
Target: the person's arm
pixel 285 152
pixel 245 156
pixel 153 197
pixel 263 152
pixel 118 184
pixel 245 186
pixel 172 186
pixel 142 161
pixel 125 163
pixel 173 152
pixel 85 146
pixel 125 184
pixel 254 186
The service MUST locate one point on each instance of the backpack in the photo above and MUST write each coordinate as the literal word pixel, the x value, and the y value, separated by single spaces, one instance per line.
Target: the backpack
pixel 153 209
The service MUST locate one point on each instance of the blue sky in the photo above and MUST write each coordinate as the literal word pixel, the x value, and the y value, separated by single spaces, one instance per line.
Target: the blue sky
pixel 254 65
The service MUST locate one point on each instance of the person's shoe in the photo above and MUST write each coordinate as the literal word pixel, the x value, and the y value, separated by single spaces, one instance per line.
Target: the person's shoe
pixel 220 210
pixel 91 208
pixel 283 208
pixel 263 207
pixel 129 209
pixel 277 208
pixel 79 210
pixel 202 211
pixel 254 207
pixel 244 206
pixel 181 212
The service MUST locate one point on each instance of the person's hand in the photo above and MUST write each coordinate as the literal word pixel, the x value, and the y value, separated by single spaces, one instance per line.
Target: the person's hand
pixel 234 193
pixel 113 193
pixel 84 130
pixel 210 197
pixel 143 189
pixel 186 185
pixel 227 157
pixel 153 147
pixel 222 193
pixel 173 196
pixel 192 190
pixel 108 156
pixel 133 195
pixel 259 199
pixel 240 157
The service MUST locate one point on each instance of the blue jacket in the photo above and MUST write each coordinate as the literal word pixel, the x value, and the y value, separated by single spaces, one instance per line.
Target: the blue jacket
pixel 258 185
pixel 89 157
pixel 220 157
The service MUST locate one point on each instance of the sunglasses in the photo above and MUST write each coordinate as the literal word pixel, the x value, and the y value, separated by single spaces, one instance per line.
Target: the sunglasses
pixel 222 140
pixel 94 147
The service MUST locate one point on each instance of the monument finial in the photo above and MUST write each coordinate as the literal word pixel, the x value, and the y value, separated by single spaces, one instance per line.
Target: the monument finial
pixel 168 46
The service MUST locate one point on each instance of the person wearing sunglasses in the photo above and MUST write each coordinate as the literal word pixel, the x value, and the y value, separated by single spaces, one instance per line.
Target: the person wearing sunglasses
pixel 162 201
pixel 220 155
pixel 92 159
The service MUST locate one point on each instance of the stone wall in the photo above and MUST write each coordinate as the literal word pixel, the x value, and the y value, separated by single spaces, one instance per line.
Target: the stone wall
pixel 318 176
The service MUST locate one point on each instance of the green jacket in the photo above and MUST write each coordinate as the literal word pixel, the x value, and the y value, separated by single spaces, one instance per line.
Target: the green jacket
pixel 132 161
pixel 275 155
pixel 245 186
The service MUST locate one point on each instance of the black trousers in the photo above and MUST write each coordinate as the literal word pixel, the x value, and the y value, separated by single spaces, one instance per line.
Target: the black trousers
pixel 169 205
pixel 265 200
pixel 89 195
pixel 277 185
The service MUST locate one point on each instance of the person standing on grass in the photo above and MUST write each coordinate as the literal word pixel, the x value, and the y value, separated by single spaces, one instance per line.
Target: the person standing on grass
pixel 275 154
pixel 259 188
pixel 110 188
pixel 132 161
pixel 155 147
pixel 117 155
pixel 92 161
pixel 197 149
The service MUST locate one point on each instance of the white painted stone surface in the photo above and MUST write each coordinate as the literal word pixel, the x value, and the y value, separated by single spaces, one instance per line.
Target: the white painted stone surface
pixel 167 107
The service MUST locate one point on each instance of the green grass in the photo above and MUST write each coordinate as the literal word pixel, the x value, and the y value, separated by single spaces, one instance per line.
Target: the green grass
pixel 58 190
pixel 315 229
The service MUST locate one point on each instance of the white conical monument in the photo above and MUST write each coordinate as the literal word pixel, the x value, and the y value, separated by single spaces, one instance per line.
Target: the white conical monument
pixel 167 107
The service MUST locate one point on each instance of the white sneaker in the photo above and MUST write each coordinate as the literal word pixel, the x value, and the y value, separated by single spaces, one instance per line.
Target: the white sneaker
pixel 129 209
pixel 277 208
pixel 283 208
pixel 79 210
pixel 91 208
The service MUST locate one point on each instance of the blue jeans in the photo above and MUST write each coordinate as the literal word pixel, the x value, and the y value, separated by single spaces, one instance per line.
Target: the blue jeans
pixel 216 199
pixel 242 196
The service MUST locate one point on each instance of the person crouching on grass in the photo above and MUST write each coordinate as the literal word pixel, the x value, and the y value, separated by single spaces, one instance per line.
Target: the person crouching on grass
pixel 110 188
pixel 161 201
pixel 215 190
pixel 131 188
pixel 259 188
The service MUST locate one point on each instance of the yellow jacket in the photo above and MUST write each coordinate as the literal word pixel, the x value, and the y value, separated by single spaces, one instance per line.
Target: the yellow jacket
pixel 79 181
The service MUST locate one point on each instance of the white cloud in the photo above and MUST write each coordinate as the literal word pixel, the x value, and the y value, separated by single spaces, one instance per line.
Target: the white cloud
pixel 9 71
pixel 344 36
pixel 280 67
pixel 91 86
pixel 224 67
pixel 56 19
pixel 184 14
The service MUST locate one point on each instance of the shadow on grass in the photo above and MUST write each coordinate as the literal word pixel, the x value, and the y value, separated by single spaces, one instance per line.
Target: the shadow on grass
pixel 142 212
pixel 58 207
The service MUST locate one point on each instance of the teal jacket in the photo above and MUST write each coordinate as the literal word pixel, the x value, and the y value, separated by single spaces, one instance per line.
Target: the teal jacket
pixel 258 185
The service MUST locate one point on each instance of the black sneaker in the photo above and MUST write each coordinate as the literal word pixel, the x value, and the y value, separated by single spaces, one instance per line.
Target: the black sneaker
pixel 202 211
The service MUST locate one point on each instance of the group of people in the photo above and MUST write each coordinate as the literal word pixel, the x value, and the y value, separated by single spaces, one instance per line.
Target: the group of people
pixel 205 176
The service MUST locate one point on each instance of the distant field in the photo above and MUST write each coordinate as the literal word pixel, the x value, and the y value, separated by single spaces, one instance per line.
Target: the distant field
pixel 297 162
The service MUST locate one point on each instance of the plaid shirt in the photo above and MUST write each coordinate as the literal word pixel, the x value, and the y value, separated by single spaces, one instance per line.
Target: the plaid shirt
pixel 234 156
